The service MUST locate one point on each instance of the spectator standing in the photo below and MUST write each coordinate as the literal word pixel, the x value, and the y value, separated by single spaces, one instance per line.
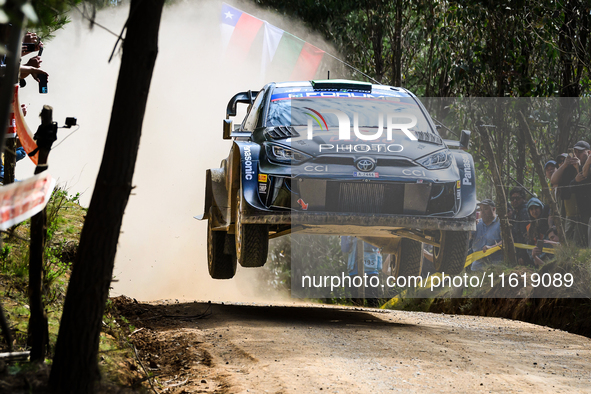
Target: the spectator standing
pixel 487 235
pixel 549 169
pixel 581 188
pixel 569 209
pixel 372 265
pixel 560 159
pixel 538 213
pixel 32 67
pixel 519 221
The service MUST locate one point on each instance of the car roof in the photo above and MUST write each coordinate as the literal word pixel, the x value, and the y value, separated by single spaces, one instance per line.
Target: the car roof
pixel 401 92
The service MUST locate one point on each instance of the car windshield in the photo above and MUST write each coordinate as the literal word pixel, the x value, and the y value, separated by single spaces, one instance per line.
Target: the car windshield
pixel 324 112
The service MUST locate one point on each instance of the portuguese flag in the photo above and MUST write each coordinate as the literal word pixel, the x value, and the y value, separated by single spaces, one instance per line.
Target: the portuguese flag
pixel 282 53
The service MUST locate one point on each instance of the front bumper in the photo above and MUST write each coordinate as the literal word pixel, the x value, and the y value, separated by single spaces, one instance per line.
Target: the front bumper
pixel 358 223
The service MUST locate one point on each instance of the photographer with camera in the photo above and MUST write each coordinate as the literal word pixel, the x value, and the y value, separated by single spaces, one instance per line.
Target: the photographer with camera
pixel 32 43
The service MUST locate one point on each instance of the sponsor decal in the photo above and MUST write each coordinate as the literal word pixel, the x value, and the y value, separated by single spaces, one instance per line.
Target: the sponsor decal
pixel 309 92
pixel 262 177
pixel 360 148
pixel 459 194
pixel 414 172
pixel 303 204
pixel 458 184
pixel 360 174
pixel 248 172
pixel 317 168
pixel 262 188
pixel 467 171
pixel 419 181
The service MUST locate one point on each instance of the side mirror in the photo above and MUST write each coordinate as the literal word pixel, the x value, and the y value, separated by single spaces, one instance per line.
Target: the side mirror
pixel 465 139
pixel 227 128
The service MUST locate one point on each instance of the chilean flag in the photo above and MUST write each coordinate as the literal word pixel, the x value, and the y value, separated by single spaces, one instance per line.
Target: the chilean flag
pixel 239 30
pixel 284 56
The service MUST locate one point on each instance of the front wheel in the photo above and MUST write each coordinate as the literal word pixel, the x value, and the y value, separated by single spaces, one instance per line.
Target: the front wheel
pixel 450 257
pixel 408 258
pixel 252 240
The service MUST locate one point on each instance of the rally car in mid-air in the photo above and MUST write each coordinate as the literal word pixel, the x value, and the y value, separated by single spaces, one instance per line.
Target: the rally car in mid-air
pixel 339 157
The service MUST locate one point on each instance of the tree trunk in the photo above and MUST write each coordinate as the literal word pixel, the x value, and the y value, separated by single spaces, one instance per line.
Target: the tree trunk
pixel 75 365
pixel 12 69
pixel 9 160
pixel 508 246
pixel 397 55
pixel 538 164
pixel 569 86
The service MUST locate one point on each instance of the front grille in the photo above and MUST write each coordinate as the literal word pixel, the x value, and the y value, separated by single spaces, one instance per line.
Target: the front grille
pixel 365 197
pixel 387 162
pixel 361 197
pixel 348 161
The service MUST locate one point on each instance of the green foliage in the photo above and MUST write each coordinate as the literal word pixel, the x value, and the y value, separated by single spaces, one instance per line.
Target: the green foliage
pixel 58 253
pixel 459 48
pixel 14 267
pixel 291 257
pixel 277 270
pixel 297 253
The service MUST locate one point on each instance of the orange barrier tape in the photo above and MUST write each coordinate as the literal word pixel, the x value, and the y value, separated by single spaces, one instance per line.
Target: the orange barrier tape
pixel 24 133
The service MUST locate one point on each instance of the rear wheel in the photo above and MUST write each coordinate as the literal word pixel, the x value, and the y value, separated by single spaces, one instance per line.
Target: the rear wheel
pixel 408 259
pixel 450 257
pixel 252 240
pixel 220 264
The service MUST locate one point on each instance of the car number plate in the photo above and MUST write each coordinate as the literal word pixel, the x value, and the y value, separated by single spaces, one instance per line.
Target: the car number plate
pixel 366 174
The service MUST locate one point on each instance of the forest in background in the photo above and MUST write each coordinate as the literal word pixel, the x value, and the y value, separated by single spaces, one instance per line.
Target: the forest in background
pixel 500 69
pixel 450 49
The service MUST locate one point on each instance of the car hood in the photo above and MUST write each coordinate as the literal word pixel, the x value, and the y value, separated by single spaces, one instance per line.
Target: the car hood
pixel 399 146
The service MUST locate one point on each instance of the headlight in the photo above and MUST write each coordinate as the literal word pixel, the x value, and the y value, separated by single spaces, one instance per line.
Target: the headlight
pixel 285 155
pixel 436 161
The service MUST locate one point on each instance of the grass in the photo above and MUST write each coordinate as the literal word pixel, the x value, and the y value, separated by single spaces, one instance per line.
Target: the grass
pixel 65 220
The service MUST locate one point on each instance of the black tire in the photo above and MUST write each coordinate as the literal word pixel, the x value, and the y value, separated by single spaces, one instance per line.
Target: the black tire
pixel 408 261
pixel 252 240
pixel 451 256
pixel 220 264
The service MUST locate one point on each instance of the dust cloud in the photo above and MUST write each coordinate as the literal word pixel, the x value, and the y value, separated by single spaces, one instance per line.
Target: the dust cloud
pixel 162 248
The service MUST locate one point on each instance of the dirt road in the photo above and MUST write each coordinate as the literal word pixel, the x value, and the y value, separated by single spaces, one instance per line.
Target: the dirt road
pixel 312 348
